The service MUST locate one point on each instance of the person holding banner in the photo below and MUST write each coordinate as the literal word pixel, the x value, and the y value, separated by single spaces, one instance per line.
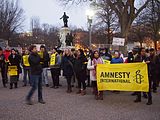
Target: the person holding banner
pixel 157 60
pixel 14 62
pixel 92 64
pixel 142 57
pixel 36 75
pixel 55 63
pixel 152 58
pixel 117 58
pixel 26 68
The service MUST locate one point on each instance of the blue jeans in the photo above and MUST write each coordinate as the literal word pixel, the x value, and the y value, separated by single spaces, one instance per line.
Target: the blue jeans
pixel 36 82
pixel 27 72
pixel 45 75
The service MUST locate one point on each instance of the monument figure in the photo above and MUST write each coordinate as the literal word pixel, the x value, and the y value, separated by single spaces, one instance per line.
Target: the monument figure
pixel 69 39
pixel 65 19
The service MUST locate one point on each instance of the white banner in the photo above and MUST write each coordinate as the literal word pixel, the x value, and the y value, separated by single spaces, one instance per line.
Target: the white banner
pixel 118 41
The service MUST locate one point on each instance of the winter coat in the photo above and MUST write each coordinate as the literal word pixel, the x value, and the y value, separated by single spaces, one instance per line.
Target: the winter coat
pixel 79 64
pixel 80 67
pixel 116 60
pixel 15 60
pixel 157 62
pixel 45 60
pixel 34 61
pixel 152 65
pixel 145 58
pixel 67 65
pixel 2 61
pixel 6 54
pixel 92 69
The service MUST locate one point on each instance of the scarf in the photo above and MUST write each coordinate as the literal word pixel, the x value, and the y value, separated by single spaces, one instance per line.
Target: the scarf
pixel 95 62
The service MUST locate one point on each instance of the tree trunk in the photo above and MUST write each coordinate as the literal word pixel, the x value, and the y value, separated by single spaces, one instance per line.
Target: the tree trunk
pixel 155 44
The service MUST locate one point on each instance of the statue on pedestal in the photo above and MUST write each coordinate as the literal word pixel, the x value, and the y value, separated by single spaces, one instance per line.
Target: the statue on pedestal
pixel 65 19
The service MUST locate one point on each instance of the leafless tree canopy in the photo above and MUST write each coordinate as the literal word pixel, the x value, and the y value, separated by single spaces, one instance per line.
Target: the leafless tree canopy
pixel 11 18
pixel 126 10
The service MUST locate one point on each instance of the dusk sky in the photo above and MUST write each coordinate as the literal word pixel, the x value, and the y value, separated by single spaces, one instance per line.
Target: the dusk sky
pixel 49 11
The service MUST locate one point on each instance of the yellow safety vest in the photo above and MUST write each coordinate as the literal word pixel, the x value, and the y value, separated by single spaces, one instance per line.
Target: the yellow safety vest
pixel 53 59
pixel 41 56
pixel 25 60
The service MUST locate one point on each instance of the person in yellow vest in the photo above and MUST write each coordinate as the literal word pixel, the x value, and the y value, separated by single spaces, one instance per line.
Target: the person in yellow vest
pixel 45 64
pixel 55 63
pixel 26 68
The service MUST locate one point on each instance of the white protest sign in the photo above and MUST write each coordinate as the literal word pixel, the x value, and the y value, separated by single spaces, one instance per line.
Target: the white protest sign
pixel 118 41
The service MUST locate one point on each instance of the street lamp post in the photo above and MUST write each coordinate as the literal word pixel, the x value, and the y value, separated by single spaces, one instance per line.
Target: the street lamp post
pixel 90 14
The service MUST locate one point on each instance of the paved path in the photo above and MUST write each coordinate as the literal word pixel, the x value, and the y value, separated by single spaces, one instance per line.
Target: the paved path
pixel 62 106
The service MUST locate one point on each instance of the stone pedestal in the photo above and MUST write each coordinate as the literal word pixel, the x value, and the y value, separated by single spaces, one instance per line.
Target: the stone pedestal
pixel 63 33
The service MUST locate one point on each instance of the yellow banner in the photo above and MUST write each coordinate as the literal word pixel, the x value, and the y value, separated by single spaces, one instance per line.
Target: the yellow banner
pixel 25 60
pixel 12 70
pixel 123 77
pixel 53 59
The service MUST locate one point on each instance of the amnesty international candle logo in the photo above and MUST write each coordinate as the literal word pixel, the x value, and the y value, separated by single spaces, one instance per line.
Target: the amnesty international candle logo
pixel 138 78
pixel 123 77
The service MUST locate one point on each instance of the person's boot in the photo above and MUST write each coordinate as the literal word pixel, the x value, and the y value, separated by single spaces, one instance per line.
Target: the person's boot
pixel 83 92
pixel 41 101
pixel 94 91
pixel 4 85
pixel 133 94
pixel 149 102
pixel 96 96
pixel 101 95
pixel 154 91
pixel 29 102
pixel 16 85
pixel 79 91
pixel 11 86
pixel 24 85
pixel 69 90
pixel 145 95
pixel 47 85
pixel 137 100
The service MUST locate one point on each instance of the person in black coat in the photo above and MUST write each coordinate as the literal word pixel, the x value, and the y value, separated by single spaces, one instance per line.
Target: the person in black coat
pixel 152 69
pixel 142 57
pixel 67 67
pixel 36 75
pixel 80 68
pixel 2 67
pixel 14 60
pixel 157 62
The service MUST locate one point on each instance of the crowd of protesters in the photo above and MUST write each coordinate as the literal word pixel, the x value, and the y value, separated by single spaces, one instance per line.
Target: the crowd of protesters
pixel 78 67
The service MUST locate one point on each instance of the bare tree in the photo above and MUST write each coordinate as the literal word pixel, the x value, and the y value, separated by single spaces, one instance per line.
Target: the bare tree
pixel 11 18
pixel 150 18
pixel 108 19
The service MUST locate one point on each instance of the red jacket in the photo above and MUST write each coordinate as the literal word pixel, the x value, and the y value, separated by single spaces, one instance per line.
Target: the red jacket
pixel 6 54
